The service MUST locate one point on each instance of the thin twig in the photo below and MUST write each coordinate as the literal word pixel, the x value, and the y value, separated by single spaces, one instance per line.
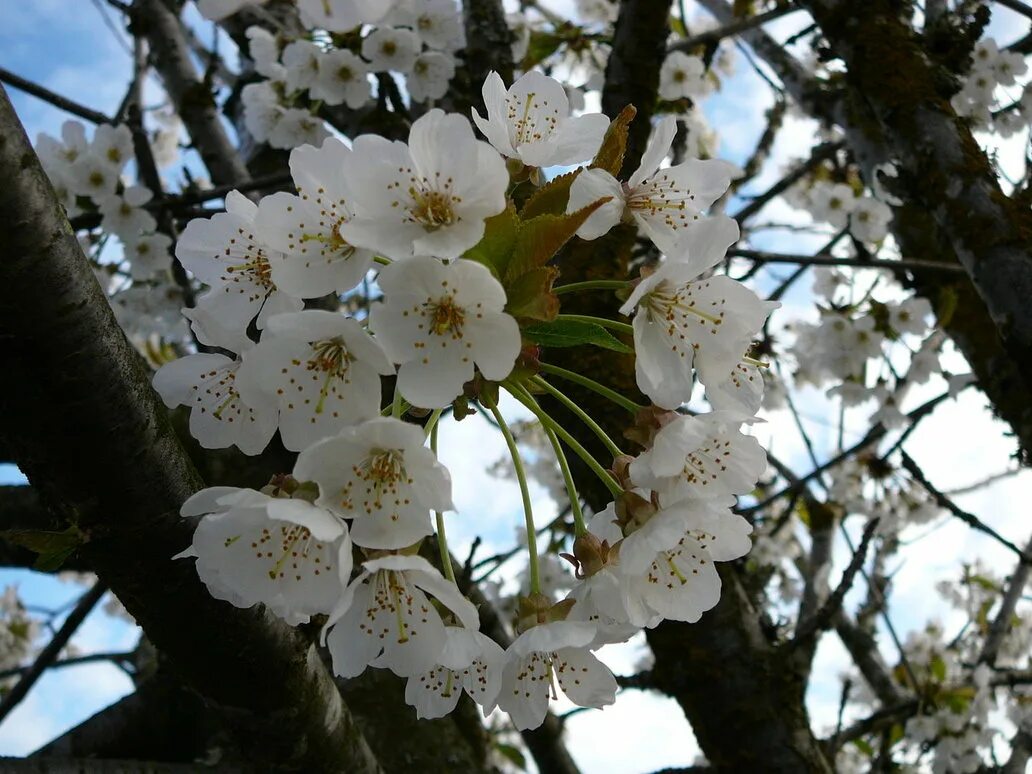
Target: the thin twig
pixel 821 620
pixel 120 659
pixel 50 652
pixel 65 104
pixel 898 266
pixel 716 35
pixel 945 502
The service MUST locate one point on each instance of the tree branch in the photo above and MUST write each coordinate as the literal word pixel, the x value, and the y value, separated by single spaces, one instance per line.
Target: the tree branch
pixel 119 474
pixel 192 96
pixel 65 104
pixel 52 649
pixel 734 28
pixel 900 266
pixel 968 518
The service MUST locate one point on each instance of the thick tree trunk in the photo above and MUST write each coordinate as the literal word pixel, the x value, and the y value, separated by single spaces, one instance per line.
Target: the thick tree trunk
pixel 86 428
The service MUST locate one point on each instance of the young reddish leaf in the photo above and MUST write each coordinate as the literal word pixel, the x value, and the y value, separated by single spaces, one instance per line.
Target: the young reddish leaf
pixel 530 295
pixel 551 198
pixel 540 238
pixel 610 155
pixel 494 250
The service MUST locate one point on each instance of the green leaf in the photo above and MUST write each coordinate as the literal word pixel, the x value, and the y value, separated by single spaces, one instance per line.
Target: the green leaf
pixel 540 238
pixel 540 46
pixel 938 668
pixel 864 746
pixel 551 198
pixel 571 333
pixel 513 755
pixel 53 548
pixel 494 250
pixel 614 144
pixel 530 295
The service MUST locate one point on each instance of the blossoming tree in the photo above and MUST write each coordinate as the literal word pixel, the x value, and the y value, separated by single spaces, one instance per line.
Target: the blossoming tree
pixel 233 364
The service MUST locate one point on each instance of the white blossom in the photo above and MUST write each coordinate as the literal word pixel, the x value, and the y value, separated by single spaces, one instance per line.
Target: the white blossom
pixel 316 259
pixel 681 321
pixel 124 215
pixel 385 619
pixel 343 77
pixel 219 416
pixel 301 60
pixel 342 15
pixel 547 654
pixel 391 48
pixel 321 368
pixel 379 474
pixel 682 75
pixel 438 321
pixel 286 553
pixel 531 122
pixel 700 457
pixel 225 253
pixel 664 203
pixel 869 220
pixel 429 197
pixel 470 662
pixel 430 75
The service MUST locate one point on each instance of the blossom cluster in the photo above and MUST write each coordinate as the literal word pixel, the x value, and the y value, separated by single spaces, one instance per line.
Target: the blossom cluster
pixel 993 72
pixel 463 298
pixel 88 173
pixel 356 40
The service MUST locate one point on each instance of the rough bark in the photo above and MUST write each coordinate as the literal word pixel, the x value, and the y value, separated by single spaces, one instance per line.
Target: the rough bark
pixel 88 431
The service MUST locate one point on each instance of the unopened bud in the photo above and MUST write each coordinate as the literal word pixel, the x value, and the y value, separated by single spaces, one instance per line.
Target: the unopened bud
pixel 633 511
pixel 647 422
pixel 591 553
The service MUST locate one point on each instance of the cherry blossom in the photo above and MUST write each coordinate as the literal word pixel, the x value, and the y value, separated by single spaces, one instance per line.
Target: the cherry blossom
pixel 379 474
pixel 343 77
pixel 429 197
pixel 438 321
pixel 700 456
pixel 558 651
pixel 681 75
pixel 225 253
pixel 305 228
pixel 322 369
pixel 664 203
pixel 390 48
pixel 342 15
pixel 681 321
pixel 124 215
pixel 385 619
pixel 286 553
pixel 470 662
pixel 531 122
pixel 219 416
pixel 430 75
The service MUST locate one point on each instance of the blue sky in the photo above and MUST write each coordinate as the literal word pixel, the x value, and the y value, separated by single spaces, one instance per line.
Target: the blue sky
pixel 68 47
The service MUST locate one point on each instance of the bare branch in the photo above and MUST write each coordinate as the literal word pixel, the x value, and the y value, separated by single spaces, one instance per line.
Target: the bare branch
pixel 65 104
pixel 945 502
pixel 822 619
pixel 192 96
pixel 898 266
pixel 52 649
pixel 734 28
